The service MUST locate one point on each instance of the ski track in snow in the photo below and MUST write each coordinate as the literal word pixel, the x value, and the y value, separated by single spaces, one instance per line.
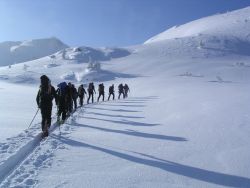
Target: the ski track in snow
pixel 25 160
pixel 31 155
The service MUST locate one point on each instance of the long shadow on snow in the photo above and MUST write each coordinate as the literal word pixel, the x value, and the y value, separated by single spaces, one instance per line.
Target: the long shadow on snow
pixel 169 166
pixel 113 110
pixel 115 116
pixel 122 105
pixel 138 99
pixel 126 122
pixel 130 102
pixel 135 133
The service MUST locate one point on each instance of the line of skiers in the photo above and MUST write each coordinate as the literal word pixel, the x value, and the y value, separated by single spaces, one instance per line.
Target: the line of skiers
pixel 66 98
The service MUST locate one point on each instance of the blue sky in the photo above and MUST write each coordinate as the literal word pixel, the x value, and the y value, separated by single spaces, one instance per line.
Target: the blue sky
pixel 102 22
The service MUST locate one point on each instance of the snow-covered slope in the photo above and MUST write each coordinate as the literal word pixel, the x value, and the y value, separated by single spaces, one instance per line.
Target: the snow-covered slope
pixel 221 28
pixel 71 64
pixel 16 52
pixel 87 54
pixel 185 123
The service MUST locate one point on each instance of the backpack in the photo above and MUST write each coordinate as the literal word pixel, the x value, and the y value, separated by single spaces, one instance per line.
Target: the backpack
pixel 111 89
pixel 101 87
pixel 80 91
pixel 62 89
pixel 91 87
pixel 45 96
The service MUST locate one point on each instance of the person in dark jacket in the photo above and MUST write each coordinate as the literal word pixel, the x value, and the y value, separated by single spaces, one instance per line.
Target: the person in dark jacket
pixel 112 91
pixel 44 99
pixel 101 92
pixel 62 97
pixel 91 91
pixel 126 90
pixel 121 91
pixel 81 94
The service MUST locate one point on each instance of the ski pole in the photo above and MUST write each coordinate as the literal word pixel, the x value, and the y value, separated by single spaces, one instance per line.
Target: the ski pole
pixel 33 118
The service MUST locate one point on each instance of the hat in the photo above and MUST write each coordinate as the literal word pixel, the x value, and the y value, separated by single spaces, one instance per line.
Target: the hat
pixel 44 77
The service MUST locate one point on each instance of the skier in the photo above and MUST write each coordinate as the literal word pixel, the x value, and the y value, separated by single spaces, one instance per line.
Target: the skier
pixel 126 90
pixel 81 94
pixel 111 91
pixel 121 91
pixel 74 96
pixel 101 92
pixel 62 101
pixel 44 99
pixel 91 91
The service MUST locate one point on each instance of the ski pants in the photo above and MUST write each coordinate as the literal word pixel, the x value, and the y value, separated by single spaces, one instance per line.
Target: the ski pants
pixel 110 95
pixel 81 100
pixel 91 94
pixel 120 95
pixel 101 94
pixel 61 111
pixel 46 117
pixel 70 105
pixel 75 103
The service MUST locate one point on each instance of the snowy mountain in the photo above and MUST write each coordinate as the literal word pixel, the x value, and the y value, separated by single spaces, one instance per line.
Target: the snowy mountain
pixel 16 52
pixel 233 24
pixel 185 122
pixel 227 33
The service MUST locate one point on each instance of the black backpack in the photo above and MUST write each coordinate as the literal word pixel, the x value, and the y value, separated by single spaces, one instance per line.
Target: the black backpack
pixel 111 89
pixel 45 95
pixel 91 87
pixel 62 89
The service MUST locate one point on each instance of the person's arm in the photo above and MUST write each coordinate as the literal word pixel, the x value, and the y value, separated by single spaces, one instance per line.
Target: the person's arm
pixel 38 98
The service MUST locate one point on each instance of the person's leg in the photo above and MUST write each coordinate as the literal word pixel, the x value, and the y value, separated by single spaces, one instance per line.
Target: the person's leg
pixel 49 115
pixel 75 104
pixel 92 97
pixel 81 100
pixel 89 97
pixel 59 111
pixel 98 97
pixel 64 112
pixel 43 118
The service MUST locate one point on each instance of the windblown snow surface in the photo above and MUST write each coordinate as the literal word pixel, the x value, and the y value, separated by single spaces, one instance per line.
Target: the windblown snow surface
pixel 186 122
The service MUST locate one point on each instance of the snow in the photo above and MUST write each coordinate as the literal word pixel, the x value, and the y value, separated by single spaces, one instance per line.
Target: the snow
pixel 233 24
pixel 185 122
pixel 21 51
